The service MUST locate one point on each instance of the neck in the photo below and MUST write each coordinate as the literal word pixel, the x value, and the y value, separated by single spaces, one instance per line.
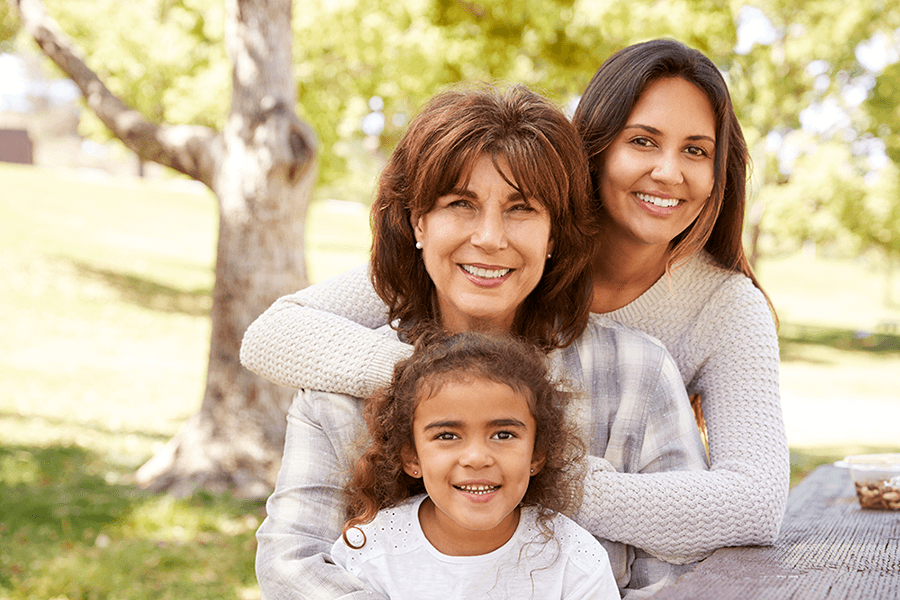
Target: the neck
pixel 454 540
pixel 622 272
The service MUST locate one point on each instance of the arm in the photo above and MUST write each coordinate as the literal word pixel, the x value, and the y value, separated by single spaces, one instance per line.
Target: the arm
pixel 741 500
pixel 323 338
pixel 306 512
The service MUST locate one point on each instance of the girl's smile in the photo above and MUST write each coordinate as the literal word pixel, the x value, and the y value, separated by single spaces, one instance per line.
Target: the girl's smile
pixel 474 448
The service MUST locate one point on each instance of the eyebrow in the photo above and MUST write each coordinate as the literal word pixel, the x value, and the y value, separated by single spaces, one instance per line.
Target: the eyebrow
pixel 448 424
pixel 656 131
pixel 467 193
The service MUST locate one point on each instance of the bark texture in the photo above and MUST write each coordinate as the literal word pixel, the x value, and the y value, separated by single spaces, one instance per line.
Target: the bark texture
pixel 261 168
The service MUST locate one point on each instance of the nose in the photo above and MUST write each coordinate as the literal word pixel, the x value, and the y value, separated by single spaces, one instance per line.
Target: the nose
pixel 476 455
pixel 668 168
pixel 489 231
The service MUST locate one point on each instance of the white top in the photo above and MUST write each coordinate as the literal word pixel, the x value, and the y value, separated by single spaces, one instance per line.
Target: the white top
pixel 714 322
pixel 400 563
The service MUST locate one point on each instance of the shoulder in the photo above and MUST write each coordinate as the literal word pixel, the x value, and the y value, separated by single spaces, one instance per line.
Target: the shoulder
pixel 713 284
pixel 604 332
pixel 393 530
pixel 731 301
pixel 607 341
pixel 328 409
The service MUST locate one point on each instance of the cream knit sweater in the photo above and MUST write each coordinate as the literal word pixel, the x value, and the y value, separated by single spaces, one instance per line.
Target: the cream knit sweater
pixel 719 330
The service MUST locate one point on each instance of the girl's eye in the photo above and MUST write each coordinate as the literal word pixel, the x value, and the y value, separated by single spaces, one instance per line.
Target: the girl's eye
pixel 504 435
pixel 446 435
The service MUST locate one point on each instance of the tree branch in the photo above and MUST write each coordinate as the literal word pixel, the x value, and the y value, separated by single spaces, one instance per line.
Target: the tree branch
pixel 189 149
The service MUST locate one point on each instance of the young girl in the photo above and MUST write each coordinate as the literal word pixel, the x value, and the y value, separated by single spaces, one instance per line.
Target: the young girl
pixel 460 492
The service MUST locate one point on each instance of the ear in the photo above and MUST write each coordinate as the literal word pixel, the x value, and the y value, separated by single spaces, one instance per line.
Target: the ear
pixel 411 462
pixel 537 461
pixel 416 223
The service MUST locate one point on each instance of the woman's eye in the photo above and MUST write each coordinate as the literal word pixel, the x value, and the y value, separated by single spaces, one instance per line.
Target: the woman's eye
pixel 642 142
pixel 697 151
pixel 523 207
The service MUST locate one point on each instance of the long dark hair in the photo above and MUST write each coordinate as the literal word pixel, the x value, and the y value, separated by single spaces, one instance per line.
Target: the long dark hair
pixel 604 110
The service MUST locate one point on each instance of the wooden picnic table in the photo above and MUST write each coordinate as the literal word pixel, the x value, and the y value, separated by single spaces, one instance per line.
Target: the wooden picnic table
pixel 828 549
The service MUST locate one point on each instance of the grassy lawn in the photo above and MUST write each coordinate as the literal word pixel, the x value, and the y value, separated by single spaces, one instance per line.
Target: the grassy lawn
pixel 103 311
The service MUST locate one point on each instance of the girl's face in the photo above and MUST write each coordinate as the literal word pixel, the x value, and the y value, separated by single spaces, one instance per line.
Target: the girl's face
pixel 484 247
pixel 658 172
pixel 474 448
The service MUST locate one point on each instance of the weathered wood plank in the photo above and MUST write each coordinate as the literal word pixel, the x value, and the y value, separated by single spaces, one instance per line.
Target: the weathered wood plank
pixel 829 549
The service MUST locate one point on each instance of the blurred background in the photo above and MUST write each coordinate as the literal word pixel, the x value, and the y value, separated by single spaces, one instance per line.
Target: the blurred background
pixel 107 259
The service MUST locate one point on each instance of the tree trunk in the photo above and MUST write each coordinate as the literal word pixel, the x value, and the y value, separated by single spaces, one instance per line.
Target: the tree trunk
pixel 263 184
pixel 261 168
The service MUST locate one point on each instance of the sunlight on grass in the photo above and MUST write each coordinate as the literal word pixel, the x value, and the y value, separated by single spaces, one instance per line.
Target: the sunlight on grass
pixel 103 355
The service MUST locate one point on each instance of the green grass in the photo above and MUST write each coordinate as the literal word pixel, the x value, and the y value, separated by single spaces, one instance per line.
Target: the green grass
pixel 104 303
pixel 103 309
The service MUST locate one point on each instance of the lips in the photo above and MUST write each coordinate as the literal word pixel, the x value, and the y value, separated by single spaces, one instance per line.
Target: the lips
pixel 657 201
pixel 477 489
pixel 485 273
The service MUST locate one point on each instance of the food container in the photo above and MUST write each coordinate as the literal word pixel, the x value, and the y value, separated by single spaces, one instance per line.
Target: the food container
pixel 877 479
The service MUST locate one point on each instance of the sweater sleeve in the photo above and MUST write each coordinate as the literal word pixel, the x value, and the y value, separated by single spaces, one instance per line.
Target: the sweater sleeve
pixel 323 338
pixel 681 516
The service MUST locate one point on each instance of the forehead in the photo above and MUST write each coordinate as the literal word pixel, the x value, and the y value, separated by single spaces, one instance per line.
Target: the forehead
pixel 675 105
pixel 470 399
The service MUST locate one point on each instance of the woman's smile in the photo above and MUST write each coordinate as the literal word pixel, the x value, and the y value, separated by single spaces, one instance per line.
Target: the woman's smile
pixel 658 171
pixel 484 245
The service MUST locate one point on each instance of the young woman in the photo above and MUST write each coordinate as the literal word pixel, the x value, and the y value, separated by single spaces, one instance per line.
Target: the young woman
pixel 482 222
pixel 461 491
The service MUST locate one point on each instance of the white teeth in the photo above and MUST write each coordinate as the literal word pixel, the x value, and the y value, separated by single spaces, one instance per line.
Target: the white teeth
pixel 660 202
pixel 485 273
pixel 477 489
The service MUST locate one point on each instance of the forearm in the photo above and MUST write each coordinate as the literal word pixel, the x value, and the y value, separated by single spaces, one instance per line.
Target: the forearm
pixel 323 338
pixel 682 516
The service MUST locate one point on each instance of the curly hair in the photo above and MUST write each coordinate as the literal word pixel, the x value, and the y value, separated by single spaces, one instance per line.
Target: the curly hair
pixel 379 481
pixel 546 162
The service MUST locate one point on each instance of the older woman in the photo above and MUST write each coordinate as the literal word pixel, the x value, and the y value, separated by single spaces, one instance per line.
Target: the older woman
pixel 482 221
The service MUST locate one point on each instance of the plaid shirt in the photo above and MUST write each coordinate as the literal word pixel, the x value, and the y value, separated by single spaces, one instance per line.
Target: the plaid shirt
pixel 634 416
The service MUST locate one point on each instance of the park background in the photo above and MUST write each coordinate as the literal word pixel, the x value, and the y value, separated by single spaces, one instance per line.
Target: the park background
pixel 107 263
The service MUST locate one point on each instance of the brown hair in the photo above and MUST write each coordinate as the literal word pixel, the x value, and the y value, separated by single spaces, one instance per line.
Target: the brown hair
pixel 379 480
pixel 603 112
pixel 547 164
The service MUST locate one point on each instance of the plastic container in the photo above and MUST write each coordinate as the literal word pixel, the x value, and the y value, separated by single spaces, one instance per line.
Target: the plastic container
pixel 877 479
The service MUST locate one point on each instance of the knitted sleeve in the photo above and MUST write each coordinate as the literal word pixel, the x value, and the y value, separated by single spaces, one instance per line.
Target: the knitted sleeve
pixel 323 338
pixel 681 516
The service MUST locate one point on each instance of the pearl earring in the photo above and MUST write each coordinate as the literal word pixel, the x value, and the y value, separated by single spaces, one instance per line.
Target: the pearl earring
pixel 415 473
pixel 549 255
pixel 532 471
pixel 418 245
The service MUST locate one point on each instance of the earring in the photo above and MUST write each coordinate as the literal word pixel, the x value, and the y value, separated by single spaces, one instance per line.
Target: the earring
pixel 549 255
pixel 532 471
pixel 418 245
pixel 415 473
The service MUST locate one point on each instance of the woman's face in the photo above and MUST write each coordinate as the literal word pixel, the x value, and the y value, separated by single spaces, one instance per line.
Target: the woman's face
pixel 658 172
pixel 484 247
